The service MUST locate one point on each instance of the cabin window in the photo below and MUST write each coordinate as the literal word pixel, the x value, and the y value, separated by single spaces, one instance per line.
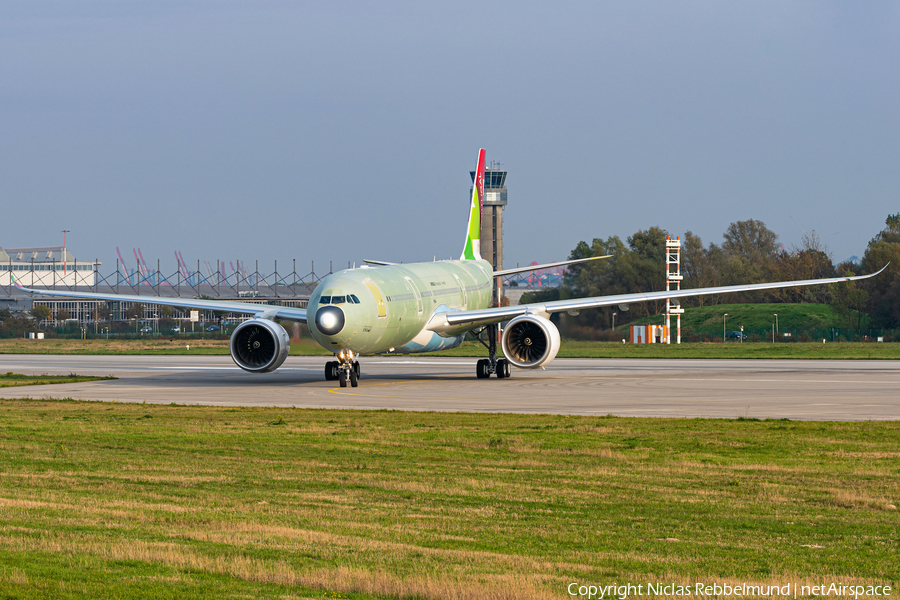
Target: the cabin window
pixel 325 300
pixel 354 298
pixel 338 299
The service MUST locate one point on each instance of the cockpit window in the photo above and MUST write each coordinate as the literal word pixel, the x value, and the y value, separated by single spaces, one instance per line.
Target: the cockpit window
pixel 325 300
pixel 353 298
pixel 338 299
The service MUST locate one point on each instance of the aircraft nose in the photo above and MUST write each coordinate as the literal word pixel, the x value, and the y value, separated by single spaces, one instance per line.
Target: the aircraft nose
pixel 329 320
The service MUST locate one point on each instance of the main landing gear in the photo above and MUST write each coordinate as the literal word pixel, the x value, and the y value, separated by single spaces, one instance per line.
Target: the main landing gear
pixel 486 366
pixel 345 369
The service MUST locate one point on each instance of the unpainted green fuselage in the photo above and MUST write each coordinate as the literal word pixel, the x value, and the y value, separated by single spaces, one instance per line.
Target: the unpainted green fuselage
pixel 397 301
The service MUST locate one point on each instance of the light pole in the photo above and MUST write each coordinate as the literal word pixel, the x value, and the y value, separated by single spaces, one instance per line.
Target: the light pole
pixel 724 318
pixel 776 327
pixel 65 251
pixel 614 320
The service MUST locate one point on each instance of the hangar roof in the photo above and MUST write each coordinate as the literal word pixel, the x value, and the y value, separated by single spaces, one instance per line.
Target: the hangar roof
pixel 45 254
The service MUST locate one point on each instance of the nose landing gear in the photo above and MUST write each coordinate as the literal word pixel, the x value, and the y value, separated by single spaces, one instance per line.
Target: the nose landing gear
pixel 345 369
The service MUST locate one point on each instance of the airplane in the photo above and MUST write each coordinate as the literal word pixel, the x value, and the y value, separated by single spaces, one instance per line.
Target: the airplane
pixel 389 308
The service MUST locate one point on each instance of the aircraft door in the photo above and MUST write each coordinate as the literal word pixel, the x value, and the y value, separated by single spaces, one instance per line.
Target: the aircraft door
pixel 462 291
pixel 415 291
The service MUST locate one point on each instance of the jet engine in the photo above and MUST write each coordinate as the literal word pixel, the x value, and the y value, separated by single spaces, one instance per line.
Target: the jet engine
pixel 259 345
pixel 530 341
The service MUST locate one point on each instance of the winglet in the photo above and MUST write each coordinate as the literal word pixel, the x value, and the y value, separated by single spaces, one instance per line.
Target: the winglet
pixel 472 249
pixel 881 269
pixel 381 263
pixel 15 283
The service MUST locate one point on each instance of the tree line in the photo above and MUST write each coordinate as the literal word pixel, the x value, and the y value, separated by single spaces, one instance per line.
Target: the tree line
pixel 749 253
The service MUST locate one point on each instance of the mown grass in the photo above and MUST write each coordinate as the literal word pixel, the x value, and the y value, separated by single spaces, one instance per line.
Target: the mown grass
pixel 11 379
pixel 569 349
pixel 113 346
pixel 137 501
pixel 732 350
pixel 146 346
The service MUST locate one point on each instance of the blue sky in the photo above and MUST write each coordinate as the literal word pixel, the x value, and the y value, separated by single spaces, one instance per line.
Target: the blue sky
pixel 345 130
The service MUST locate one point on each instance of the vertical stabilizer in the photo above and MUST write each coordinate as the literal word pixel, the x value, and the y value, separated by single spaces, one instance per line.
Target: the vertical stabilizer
pixel 472 249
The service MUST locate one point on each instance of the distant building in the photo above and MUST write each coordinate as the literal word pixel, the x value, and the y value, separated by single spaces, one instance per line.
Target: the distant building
pixel 46 267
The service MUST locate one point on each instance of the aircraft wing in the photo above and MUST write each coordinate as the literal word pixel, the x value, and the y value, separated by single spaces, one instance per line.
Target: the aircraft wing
pixel 505 272
pixel 449 321
pixel 259 310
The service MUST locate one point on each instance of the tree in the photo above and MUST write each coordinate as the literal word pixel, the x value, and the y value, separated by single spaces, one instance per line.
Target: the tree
pixel 884 290
pixel 751 239
pixel 63 315
pixel 700 268
pixel 595 278
pixel 644 266
pixel 102 312
pixel 810 261
pixel 135 311
pixel 637 266
pixel 750 248
pixel 40 312
pixel 13 324
pixel 847 297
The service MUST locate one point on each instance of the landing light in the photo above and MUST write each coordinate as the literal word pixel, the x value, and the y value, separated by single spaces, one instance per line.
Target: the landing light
pixel 328 320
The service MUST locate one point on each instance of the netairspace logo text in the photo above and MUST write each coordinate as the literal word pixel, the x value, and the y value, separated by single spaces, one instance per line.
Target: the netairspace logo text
pixel 702 590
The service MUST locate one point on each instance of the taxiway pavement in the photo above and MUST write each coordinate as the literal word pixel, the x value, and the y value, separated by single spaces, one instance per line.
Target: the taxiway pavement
pixel 792 389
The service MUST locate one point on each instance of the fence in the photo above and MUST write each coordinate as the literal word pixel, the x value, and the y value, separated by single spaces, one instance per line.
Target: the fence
pixel 183 281
pixel 784 336
pixel 831 334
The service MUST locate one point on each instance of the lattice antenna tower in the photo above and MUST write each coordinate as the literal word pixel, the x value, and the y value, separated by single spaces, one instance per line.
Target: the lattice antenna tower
pixel 673 282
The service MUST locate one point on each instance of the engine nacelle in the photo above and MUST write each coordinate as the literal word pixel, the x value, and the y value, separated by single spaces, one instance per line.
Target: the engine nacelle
pixel 259 345
pixel 530 341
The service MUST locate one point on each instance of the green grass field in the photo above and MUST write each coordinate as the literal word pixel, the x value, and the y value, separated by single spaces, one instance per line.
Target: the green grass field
pixel 148 346
pixel 569 349
pixel 758 317
pixel 15 379
pixel 137 501
pixel 732 350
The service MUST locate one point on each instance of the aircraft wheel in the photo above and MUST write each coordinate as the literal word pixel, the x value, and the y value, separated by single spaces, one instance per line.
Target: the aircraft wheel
pixel 342 378
pixel 356 370
pixel 330 374
pixel 354 380
pixel 481 371
pixel 502 368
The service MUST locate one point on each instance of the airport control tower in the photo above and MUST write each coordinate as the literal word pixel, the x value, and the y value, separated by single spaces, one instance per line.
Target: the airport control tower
pixel 492 215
